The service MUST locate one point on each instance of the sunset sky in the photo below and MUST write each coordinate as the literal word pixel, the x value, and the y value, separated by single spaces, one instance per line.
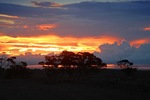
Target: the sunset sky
pixel 111 29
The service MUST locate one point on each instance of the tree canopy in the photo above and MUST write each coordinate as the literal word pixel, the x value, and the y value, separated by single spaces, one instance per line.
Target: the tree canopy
pixel 124 64
pixel 127 67
pixel 68 59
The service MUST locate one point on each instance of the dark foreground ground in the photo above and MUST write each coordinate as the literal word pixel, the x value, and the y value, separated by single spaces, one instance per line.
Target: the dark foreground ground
pixel 105 85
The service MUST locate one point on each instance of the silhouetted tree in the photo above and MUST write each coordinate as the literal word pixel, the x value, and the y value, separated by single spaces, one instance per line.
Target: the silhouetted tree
pixel 74 64
pixel 68 59
pixel 19 70
pixel 126 67
pixel 10 69
pixel 124 64
pixel 6 61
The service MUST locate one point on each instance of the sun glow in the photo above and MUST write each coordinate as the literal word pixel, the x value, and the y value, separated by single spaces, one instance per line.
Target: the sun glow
pixel 51 43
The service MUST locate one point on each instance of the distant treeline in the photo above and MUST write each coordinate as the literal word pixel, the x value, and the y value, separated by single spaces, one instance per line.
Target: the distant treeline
pixel 75 65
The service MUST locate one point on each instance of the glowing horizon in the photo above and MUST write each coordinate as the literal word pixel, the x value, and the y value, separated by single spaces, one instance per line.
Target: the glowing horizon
pixel 52 43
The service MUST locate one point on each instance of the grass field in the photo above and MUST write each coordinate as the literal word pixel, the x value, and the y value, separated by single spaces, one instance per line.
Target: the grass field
pixel 105 85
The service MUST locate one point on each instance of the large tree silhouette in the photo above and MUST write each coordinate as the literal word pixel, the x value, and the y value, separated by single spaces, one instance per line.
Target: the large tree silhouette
pixel 68 59
pixel 75 65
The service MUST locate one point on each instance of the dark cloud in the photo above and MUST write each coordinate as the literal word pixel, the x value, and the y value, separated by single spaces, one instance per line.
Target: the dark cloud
pixel 111 53
pixel 46 4
pixel 90 10
pixel 31 59
pixel 122 19
pixel 26 11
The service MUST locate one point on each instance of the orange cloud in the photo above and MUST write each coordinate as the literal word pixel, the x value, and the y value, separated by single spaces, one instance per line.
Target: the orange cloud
pixel 2 47
pixel 52 43
pixel 147 29
pixel 45 27
pixel 139 42
pixel 25 26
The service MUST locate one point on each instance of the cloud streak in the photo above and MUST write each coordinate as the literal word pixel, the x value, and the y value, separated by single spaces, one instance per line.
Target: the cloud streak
pixel 147 29
pixel 45 27
pixel 3 21
pixel 8 16
pixel 46 4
